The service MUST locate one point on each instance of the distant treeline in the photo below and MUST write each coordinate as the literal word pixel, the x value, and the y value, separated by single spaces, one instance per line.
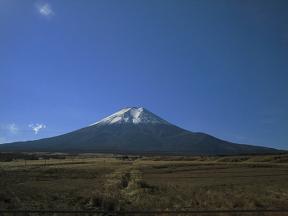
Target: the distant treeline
pixel 128 158
pixel 6 157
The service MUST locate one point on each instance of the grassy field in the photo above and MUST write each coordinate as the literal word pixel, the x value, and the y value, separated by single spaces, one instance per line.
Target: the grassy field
pixel 108 182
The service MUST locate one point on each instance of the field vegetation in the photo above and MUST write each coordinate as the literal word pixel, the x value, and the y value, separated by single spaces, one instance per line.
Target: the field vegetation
pixel 115 182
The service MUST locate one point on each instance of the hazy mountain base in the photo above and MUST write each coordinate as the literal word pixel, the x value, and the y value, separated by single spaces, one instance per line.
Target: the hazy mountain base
pixel 136 139
pixel 153 183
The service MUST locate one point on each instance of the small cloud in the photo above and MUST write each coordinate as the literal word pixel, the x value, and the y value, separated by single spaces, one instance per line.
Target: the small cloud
pixel 12 128
pixel 3 140
pixel 45 9
pixel 37 127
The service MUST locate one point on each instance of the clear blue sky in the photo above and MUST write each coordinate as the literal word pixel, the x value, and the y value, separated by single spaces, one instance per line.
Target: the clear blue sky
pixel 219 67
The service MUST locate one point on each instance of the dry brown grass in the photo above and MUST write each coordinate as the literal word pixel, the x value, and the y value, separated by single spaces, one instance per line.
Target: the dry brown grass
pixel 107 183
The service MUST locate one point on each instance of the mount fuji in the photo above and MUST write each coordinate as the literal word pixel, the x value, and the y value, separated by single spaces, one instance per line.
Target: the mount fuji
pixel 136 130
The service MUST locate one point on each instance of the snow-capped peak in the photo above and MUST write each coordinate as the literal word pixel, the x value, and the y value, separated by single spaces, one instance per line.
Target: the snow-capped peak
pixel 134 115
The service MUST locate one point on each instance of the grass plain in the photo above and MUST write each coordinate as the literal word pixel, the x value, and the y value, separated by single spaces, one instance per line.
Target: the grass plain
pixel 113 182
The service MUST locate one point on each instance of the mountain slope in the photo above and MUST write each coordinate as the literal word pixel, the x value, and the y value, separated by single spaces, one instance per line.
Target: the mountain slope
pixel 135 130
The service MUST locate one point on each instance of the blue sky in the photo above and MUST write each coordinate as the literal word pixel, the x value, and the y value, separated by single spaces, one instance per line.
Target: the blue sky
pixel 218 67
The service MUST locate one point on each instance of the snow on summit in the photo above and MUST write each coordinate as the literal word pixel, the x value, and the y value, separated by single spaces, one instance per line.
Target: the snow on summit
pixel 134 115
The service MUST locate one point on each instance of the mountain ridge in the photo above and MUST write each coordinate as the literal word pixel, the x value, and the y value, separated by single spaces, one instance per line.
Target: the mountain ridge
pixel 136 130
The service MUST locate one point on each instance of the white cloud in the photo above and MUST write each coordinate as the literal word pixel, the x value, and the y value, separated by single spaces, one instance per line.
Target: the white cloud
pixel 3 140
pixel 12 128
pixel 37 127
pixel 45 9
